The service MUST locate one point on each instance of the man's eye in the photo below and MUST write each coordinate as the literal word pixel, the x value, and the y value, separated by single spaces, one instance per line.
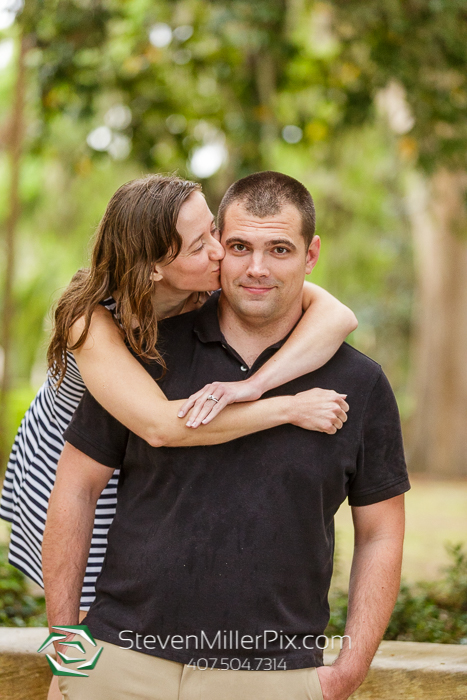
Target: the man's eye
pixel 239 247
pixel 280 250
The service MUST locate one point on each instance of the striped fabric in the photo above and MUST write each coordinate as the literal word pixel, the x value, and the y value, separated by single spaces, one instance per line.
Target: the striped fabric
pixel 30 477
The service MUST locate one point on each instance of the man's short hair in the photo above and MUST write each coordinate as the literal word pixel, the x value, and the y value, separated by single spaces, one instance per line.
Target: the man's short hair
pixel 264 194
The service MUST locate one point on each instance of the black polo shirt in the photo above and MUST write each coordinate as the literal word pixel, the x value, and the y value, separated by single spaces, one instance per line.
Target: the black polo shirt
pixel 226 551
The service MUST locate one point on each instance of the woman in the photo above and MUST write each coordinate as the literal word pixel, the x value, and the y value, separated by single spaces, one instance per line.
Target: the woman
pixel 155 255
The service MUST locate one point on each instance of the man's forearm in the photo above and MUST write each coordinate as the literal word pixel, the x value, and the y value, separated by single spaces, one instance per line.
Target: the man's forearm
pixel 374 585
pixel 65 550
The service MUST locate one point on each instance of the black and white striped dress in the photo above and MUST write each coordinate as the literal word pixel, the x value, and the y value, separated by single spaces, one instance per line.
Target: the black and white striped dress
pixel 30 477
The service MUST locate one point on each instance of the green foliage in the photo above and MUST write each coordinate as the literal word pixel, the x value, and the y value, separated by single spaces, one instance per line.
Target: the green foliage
pixel 87 57
pixel 18 403
pixel 424 612
pixel 17 607
pixel 423 46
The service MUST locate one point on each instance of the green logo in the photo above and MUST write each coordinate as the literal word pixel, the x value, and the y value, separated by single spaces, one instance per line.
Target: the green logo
pixel 74 646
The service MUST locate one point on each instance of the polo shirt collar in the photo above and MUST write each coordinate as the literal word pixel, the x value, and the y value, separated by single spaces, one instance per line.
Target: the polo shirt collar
pixel 207 322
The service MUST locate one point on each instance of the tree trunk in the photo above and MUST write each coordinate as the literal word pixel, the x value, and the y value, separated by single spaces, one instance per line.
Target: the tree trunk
pixel 438 437
pixel 14 146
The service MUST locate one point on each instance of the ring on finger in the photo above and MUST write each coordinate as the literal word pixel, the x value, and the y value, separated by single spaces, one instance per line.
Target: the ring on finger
pixel 212 398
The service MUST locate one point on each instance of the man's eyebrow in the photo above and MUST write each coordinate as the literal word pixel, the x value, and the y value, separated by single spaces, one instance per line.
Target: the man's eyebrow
pixel 236 239
pixel 283 241
pixel 275 242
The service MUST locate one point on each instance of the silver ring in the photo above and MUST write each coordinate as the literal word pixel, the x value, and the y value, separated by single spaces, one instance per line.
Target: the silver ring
pixel 212 398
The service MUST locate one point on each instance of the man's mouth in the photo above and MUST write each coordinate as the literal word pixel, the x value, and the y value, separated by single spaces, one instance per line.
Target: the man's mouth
pixel 257 290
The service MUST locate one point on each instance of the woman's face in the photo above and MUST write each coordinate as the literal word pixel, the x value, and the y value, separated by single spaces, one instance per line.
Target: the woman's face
pixel 196 267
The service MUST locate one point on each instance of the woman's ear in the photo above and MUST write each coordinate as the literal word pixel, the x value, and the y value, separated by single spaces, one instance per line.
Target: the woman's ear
pixel 157 275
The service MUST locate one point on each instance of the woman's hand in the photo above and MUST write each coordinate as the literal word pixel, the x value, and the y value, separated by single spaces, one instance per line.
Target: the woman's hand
pixel 204 409
pixel 322 410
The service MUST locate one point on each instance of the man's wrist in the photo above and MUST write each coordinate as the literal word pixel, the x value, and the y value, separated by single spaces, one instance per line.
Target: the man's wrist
pixel 350 671
pixel 289 409
pixel 62 615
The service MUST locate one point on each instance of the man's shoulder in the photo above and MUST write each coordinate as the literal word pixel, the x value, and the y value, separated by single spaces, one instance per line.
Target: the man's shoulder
pixel 176 325
pixel 351 356
pixel 348 370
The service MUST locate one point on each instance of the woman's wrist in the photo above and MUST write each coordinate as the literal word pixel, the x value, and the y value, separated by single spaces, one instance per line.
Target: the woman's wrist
pixel 258 383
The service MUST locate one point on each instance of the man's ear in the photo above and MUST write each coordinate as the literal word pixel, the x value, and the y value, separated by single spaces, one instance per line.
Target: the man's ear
pixel 157 275
pixel 312 254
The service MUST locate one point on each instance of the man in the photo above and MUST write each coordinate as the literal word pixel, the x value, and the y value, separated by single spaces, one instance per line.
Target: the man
pixel 221 556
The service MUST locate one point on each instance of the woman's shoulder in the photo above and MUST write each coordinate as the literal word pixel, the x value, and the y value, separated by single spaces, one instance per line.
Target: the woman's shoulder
pixel 99 316
pixel 109 303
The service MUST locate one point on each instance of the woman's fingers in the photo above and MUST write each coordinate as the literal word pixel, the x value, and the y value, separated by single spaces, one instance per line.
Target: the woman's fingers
pixel 204 404
pixel 190 402
pixel 341 415
pixel 196 401
pixel 210 410
pixel 337 415
pixel 343 404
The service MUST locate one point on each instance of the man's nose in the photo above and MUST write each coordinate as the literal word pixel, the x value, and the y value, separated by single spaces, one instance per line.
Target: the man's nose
pixel 257 266
pixel 216 251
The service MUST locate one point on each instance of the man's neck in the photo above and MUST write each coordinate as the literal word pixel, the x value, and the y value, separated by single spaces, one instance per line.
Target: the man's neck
pixel 250 336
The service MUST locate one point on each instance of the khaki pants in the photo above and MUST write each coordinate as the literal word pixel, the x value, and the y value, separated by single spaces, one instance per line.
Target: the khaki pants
pixel 123 674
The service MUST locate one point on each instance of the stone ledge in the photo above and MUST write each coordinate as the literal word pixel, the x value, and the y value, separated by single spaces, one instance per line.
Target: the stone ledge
pixel 24 674
pixel 400 670
pixel 414 656
pixel 414 671
pixel 21 640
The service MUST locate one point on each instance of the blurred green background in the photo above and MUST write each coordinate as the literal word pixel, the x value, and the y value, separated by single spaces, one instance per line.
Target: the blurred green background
pixel 364 101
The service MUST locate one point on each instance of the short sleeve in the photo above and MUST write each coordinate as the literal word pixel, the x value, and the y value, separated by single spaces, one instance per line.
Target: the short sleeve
pixel 381 469
pixel 96 433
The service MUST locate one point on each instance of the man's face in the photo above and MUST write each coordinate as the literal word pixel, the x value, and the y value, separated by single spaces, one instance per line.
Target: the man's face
pixel 265 262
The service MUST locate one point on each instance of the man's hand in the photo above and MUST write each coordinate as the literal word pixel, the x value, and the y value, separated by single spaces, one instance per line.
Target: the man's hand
pixel 323 410
pixel 63 650
pixel 334 684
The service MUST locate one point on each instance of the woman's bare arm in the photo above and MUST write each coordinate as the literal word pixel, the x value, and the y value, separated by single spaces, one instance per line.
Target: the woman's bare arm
pixel 325 324
pixel 124 388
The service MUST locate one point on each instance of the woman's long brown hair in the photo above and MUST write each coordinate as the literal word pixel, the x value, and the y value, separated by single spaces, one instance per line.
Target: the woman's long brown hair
pixel 137 230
